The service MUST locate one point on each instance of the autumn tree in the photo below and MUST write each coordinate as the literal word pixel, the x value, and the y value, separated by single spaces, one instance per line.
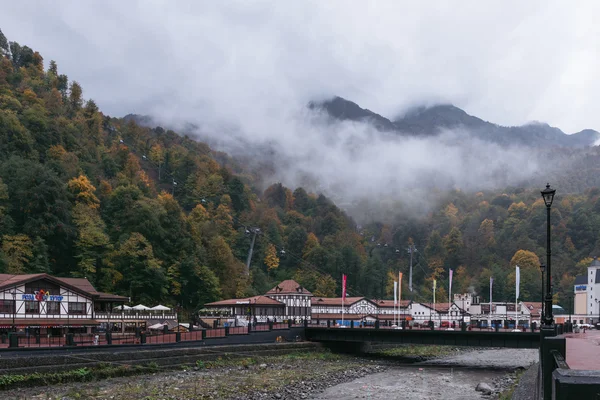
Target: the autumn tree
pixel 271 260
pixel 311 243
pixel 75 98
pixel 157 156
pixel 142 276
pixel 486 233
pixel 17 251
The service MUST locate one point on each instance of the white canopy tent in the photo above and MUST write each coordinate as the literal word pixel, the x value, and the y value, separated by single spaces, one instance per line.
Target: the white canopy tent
pixel 157 326
pixel 140 307
pixel 160 307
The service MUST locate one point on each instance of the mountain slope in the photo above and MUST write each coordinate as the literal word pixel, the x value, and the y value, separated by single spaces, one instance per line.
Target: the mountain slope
pixel 433 120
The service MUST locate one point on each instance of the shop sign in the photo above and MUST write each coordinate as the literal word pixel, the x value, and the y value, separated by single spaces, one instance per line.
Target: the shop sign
pixel 242 302
pixel 41 295
pixel 580 287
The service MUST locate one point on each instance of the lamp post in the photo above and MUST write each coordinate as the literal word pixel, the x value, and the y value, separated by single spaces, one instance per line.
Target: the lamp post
pixel 570 308
pixel 542 269
pixel 548 196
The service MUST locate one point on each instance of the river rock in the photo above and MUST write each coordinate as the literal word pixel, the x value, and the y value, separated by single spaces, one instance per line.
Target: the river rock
pixel 484 388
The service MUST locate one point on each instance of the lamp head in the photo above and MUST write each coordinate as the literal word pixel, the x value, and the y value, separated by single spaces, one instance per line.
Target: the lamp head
pixel 542 268
pixel 548 195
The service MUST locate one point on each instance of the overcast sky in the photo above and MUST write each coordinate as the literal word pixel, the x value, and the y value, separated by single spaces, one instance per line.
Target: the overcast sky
pixel 243 71
pixel 509 62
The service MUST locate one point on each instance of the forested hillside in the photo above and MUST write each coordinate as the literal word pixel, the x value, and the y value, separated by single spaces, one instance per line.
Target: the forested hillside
pixel 159 217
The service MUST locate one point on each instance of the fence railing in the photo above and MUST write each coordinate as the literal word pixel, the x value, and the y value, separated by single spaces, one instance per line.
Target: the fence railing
pixel 29 340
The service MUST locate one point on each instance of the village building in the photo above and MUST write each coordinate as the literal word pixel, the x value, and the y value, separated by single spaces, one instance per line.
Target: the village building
pixel 50 305
pixel 45 304
pixel 448 314
pixel 259 309
pixel 587 295
pixel 296 298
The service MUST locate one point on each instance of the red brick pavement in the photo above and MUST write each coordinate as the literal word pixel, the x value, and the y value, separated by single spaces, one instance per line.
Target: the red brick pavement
pixel 583 350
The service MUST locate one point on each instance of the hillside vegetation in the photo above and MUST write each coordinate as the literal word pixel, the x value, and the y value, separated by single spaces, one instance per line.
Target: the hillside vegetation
pixel 159 217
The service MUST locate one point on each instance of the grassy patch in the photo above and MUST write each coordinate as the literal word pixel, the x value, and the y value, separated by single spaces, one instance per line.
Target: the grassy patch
pixel 508 393
pixel 76 375
pixel 106 370
pixel 426 351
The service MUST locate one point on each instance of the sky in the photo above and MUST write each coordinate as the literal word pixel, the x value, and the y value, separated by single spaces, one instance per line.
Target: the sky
pixel 510 62
pixel 243 72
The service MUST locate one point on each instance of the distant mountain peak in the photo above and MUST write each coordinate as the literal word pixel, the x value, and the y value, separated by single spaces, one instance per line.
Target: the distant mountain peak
pixel 342 109
pixel 431 120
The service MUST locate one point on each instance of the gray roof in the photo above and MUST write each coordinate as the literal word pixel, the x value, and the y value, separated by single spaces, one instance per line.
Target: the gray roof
pixel 580 279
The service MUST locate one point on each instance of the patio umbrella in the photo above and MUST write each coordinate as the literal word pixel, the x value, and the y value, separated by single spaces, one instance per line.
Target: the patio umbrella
pixel 160 307
pixel 124 307
pixel 140 307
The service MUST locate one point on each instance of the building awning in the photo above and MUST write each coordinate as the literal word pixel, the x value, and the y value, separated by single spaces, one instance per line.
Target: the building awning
pixel 47 323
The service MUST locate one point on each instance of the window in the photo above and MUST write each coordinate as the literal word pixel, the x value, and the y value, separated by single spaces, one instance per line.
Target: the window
pixel 7 306
pixel 77 308
pixel 52 307
pixel 32 307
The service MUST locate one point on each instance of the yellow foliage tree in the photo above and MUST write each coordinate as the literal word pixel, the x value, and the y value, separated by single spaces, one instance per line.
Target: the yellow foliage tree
pixel 271 259
pixel 311 242
pixel 18 251
pixel 83 190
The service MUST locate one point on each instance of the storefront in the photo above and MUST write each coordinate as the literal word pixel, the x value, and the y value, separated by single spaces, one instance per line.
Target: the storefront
pixel 48 305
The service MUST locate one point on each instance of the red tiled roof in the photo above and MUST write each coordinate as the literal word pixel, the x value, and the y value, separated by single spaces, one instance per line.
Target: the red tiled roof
pixel 7 280
pixel 289 286
pixel 534 307
pixel 440 307
pixel 335 301
pixel 256 300
pixel 390 303
pixel 78 284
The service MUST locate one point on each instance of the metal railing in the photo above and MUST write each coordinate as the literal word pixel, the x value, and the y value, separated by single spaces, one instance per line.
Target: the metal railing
pixel 36 340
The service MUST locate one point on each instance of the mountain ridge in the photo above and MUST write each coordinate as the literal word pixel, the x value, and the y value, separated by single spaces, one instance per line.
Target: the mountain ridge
pixel 430 121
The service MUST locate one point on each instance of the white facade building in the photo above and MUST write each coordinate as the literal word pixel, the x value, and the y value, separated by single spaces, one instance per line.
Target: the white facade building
pixel 48 304
pixel 587 293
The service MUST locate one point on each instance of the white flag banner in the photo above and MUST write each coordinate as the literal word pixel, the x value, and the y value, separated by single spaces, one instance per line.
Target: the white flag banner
pixel 517 281
pixel 395 292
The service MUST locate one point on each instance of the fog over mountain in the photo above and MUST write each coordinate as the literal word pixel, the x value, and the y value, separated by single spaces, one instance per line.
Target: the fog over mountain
pixel 242 74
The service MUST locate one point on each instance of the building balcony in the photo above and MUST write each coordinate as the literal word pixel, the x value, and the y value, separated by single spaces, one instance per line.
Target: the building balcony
pixel 134 315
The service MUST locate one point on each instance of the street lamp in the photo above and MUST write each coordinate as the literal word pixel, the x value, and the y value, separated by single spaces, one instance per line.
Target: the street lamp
pixel 570 308
pixel 542 269
pixel 548 196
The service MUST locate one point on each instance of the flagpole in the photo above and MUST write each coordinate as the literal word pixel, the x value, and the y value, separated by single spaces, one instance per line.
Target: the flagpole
pixel 343 296
pixel 395 302
pixel 490 313
pixel 449 295
pixel 517 282
pixel 434 297
pixel 399 296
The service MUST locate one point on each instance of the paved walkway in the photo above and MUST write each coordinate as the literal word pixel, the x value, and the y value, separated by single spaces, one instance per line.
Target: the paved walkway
pixel 583 350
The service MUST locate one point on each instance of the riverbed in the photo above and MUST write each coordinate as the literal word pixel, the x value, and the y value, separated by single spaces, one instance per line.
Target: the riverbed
pixel 415 382
pixel 453 377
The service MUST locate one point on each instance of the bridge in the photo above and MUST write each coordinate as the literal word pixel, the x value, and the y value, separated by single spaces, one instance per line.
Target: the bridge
pixel 352 336
pixel 556 380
